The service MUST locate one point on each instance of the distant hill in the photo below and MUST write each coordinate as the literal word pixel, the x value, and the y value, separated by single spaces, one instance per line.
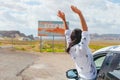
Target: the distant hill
pixel 21 36
pixel 15 34
pixel 11 34
pixel 105 36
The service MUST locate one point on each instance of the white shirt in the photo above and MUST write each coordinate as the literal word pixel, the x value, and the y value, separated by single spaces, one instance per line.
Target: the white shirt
pixel 82 56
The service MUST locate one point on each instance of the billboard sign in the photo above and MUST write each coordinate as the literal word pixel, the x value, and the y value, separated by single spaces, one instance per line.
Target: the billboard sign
pixel 50 28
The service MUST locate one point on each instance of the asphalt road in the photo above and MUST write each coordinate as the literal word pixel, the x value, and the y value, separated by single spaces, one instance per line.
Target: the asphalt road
pixel 49 66
pixel 16 65
pixel 13 63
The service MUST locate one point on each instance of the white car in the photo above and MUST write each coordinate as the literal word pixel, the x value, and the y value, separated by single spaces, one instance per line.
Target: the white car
pixel 107 62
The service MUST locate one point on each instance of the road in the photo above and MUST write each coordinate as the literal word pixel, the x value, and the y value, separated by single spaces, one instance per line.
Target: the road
pixel 16 65
pixel 49 66
pixel 13 63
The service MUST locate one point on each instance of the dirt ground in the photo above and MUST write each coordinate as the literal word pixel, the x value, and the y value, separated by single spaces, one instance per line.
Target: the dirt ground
pixel 16 65
pixel 49 66
pixel 12 63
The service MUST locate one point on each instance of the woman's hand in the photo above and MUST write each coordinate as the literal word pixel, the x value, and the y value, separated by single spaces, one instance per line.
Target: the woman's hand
pixel 61 15
pixel 75 9
pixel 83 22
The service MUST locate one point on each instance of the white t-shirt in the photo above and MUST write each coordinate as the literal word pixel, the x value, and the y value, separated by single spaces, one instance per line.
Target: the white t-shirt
pixel 82 56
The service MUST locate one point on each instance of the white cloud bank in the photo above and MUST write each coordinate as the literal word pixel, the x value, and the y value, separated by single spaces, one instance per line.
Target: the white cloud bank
pixel 102 16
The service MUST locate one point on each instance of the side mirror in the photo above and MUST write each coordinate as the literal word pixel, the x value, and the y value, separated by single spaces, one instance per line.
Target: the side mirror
pixel 72 74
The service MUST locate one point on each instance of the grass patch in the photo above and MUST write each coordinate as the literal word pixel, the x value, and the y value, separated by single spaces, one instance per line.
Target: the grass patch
pixel 59 46
pixel 0 43
pixel 20 48
pixel 96 47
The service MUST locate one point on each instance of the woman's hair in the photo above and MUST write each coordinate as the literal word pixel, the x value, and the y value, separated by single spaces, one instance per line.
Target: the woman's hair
pixel 75 38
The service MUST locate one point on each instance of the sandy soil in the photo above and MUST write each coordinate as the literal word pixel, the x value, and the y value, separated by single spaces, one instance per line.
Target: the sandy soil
pixel 49 66
pixel 12 63
pixel 17 65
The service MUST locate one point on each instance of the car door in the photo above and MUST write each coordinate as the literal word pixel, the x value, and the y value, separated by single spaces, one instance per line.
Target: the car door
pixel 110 63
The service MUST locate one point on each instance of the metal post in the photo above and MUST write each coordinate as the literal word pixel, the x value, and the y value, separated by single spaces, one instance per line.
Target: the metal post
pixel 65 44
pixel 40 43
pixel 53 44
pixel 12 41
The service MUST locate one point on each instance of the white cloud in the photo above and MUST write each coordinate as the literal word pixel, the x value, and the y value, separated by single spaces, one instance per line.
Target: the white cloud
pixel 23 15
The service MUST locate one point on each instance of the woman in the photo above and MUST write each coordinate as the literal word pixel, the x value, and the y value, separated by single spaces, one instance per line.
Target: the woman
pixel 77 43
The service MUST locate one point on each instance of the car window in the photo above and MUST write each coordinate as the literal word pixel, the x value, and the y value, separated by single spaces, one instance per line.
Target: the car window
pixel 109 65
pixel 118 67
pixel 99 61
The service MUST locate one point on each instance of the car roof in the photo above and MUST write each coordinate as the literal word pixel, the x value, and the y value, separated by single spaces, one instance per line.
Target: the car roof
pixel 115 48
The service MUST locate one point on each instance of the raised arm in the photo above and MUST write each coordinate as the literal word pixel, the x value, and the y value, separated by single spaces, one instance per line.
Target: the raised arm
pixel 83 22
pixel 62 16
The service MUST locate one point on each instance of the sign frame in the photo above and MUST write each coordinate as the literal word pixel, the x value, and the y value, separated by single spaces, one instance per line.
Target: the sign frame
pixel 51 28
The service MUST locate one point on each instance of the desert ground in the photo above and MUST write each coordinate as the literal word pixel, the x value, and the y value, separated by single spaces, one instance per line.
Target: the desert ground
pixel 23 61
pixel 19 65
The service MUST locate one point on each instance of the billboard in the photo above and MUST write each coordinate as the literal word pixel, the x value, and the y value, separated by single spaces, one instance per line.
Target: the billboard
pixel 50 28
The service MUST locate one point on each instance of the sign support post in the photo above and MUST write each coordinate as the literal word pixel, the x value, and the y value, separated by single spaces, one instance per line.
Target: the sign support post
pixel 65 44
pixel 50 28
pixel 53 44
pixel 40 43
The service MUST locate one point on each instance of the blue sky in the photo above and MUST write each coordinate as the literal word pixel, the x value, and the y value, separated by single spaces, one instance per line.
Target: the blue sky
pixel 115 1
pixel 102 16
